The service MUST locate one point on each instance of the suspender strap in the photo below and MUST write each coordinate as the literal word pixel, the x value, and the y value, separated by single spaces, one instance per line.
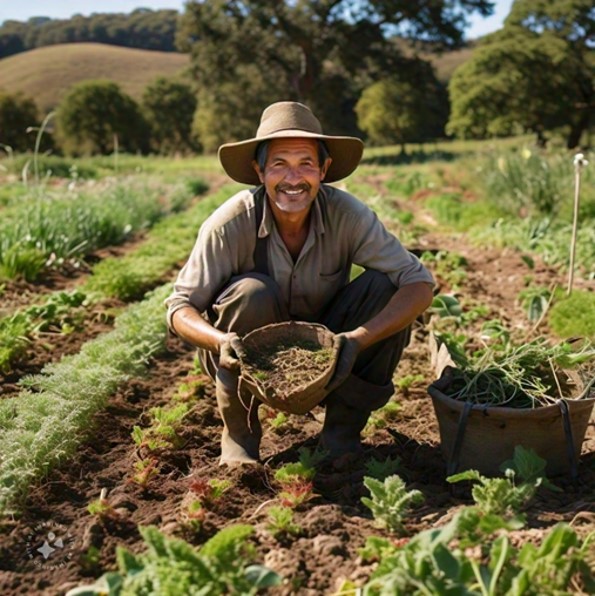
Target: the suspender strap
pixel 261 264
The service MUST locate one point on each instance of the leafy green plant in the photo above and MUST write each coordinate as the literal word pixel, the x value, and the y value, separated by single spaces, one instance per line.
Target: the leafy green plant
pixel 279 421
pixel 446 561
pixel 146 469
pixel 380 469
pixel 296 478
pixel 280 521
pixel 61 312
pixel 535 301
pixel 505 497
pixel 163 430
pixel 406 382
pixel 449 266
pixel 381 417
pixel 389 501
pixel 171 566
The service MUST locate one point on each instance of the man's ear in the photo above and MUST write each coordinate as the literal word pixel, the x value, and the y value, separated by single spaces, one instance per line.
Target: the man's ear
pixel 325 166
pixel 257 170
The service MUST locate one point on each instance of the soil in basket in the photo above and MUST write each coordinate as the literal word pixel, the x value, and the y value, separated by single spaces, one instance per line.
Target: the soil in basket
pixel 283 369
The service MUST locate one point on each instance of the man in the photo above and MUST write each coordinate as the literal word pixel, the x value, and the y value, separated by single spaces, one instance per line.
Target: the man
pixel 284 250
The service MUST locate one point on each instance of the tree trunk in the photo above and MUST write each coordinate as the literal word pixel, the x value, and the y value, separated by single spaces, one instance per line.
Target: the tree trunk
pixel 577 129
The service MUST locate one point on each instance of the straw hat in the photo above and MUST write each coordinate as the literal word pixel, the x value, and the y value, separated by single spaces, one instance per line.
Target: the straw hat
pixel 286 119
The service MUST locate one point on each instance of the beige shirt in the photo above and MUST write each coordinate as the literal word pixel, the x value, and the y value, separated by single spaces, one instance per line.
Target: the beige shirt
pixel 343 231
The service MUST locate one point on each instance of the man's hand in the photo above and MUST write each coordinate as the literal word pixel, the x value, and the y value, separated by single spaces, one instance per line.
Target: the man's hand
pixel 348 349
pixel 230 352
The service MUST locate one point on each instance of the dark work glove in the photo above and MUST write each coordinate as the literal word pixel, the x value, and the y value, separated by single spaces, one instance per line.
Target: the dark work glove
pixel 348 349
pixel 231 351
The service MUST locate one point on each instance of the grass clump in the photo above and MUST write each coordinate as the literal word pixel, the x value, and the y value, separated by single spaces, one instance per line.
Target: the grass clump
pixel 574 315
pixel 130 276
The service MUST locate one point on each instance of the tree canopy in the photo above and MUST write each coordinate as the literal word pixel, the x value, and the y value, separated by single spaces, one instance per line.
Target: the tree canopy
pixel 95 115
pixel 17 115
pixel 536 74
pixel 142 28
pixel 169 107
pixel 321 52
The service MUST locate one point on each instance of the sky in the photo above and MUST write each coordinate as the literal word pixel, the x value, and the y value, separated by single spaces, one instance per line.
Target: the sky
pixel 22 10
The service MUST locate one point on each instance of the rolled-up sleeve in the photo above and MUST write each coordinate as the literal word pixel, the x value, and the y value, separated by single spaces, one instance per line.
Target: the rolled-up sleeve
pixel 222 249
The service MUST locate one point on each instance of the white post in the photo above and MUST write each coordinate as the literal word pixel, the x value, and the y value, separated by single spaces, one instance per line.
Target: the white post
pixel 579 162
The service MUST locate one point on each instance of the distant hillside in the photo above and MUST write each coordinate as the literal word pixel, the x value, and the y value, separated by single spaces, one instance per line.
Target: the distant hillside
pixel 448 62
pixel 45 74
pixel 143 28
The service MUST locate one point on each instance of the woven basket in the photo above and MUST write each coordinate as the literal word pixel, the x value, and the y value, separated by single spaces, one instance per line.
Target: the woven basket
pixel 483 437
pixel 306 392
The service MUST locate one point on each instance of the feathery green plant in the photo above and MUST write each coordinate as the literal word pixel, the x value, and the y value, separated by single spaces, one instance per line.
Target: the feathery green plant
pixel 42 426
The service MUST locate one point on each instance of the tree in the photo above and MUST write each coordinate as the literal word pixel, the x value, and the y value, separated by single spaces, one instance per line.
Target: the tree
pixel 93 113
pixel 535 74
pixel 295 47
pixel 17 114
pixel 169 108
pixel 401 109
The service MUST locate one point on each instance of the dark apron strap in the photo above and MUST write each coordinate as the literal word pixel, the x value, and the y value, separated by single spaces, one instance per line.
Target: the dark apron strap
pixel 261 263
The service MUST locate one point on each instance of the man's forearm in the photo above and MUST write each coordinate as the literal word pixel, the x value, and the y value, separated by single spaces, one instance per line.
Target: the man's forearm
pixel 193 328
pixel 402 309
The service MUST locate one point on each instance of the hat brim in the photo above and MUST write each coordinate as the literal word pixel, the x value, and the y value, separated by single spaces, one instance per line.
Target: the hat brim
pixel 237 158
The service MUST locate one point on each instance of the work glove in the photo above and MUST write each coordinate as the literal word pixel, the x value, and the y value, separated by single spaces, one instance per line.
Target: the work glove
pixel 348 351
pixel 231 351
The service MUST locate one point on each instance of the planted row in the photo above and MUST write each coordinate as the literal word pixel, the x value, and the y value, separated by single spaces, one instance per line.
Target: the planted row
pixel 126 278
pixel 43 425
pixel 45 230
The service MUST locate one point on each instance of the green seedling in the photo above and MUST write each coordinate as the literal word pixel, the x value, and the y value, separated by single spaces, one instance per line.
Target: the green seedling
pixel 381 418
pixel 209 492
pixel 296 478
pixel 405 383
pixel 389 501
pixel 280 521
pixel 146 469
pixel 279 421
pixel 102 508
pixel 380 469
pixel 162 433
pixel 505 497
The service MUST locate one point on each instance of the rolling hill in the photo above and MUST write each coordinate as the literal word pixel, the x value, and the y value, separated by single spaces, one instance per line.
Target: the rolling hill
pixel 46 73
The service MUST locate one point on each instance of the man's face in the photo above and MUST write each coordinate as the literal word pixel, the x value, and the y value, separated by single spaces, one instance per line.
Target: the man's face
pixel 292 173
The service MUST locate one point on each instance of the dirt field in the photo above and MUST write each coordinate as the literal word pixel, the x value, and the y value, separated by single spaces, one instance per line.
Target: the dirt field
pixel 334 523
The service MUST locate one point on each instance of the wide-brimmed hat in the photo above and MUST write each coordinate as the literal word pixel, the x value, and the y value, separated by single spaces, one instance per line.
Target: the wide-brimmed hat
pixel 289 119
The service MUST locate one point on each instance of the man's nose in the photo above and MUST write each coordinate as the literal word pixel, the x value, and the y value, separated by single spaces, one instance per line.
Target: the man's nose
pixel 293 173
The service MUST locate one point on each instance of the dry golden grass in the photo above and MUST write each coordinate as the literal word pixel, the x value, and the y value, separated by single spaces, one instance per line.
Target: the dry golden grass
pixel 45 74
pixel 446 64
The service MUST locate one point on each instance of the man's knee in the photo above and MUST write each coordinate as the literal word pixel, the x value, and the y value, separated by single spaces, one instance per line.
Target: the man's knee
pixel 255 291
pixel 249 301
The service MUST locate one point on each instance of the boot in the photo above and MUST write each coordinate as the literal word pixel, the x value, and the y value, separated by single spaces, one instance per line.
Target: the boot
pixel 240 439
pixel 342 428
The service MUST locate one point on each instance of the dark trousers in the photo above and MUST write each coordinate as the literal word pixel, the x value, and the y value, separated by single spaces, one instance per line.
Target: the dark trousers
pixel 252 300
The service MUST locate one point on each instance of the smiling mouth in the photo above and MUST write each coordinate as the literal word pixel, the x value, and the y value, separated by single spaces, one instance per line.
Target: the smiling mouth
pixel 293 192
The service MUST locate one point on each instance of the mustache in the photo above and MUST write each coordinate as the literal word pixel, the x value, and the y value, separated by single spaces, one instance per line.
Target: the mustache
pixel 288 187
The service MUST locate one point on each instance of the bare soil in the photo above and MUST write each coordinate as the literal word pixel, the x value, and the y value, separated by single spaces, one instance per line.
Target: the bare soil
pixel 334 522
